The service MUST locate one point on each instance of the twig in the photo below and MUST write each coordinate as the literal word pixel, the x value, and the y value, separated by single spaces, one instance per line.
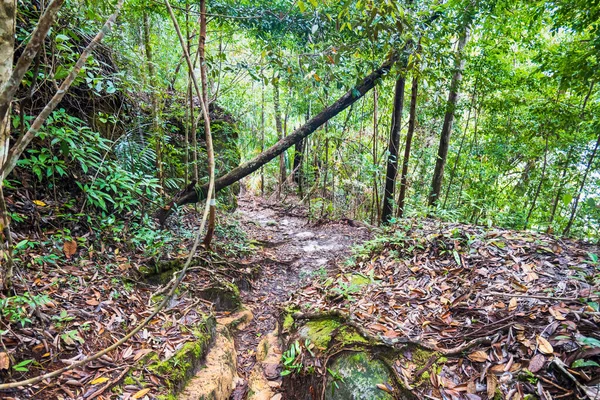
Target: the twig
pixel 530 296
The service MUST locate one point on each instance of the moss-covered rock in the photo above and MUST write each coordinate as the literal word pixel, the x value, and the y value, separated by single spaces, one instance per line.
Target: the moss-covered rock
pixel 225 295
pixel 355 376
pixel 319 332
pixel 182 365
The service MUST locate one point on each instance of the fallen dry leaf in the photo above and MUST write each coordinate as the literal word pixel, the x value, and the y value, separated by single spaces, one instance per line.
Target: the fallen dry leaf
pixel 536 363
pixel 97 381
pixel 4 361
pixel 478 356
pixel 544 346
pixel 512 305
pixel 70 248
pixel 141 393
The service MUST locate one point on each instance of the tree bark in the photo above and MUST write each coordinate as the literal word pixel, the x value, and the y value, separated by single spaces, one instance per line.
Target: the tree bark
pixel 539 187
pixel 8 13
pixel 10 78
pixel 375 203
pixel 392 161
pixel 279 128
pixel 460 146
pixel 243 170
pixel 204 82
pixel 412 119
pixel 438 173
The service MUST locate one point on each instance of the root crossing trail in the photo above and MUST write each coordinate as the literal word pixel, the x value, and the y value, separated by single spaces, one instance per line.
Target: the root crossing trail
pixel 291 253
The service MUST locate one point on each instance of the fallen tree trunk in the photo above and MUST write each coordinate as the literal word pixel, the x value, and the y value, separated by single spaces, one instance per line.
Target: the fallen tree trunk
pixel 194 194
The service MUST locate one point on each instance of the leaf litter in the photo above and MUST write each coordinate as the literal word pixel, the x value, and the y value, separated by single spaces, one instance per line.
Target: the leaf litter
pixel 446 284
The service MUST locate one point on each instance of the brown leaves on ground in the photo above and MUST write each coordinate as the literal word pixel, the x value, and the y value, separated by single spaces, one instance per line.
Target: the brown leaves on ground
pixel 448 284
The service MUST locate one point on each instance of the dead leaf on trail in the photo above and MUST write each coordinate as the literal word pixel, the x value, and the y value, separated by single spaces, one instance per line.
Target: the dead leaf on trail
pixel 478 356
pixel 4 361
pixel 70 248
pixel 556 314
pixel 544 346
pixel 512 305
pixel 97 381
pixel 492 384
pixel 536 363
pixel 141 393
pixel 39 203
pixel 141 353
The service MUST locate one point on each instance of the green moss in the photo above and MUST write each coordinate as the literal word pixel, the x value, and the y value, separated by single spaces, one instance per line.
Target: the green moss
pixel 225 295
pixel 288 322
pixel 359 279
pixel 319 332
pixel 181 366
pixel 425 376
pixel 348 335
pixel 129 381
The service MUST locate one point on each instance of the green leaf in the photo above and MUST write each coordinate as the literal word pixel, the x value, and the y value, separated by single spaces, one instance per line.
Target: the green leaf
pixel 314 3
pixel 567 199
pixel 590 202
pixel 301 6
pixel 61 38
pixel 456 257
pixel 588 341
pixel 584 363
pixel 21 367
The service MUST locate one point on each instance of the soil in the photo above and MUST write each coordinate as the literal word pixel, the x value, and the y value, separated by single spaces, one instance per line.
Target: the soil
pixel 292 252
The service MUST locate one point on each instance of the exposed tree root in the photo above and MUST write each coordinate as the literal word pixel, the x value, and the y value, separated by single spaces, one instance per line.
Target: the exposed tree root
pixel 396 342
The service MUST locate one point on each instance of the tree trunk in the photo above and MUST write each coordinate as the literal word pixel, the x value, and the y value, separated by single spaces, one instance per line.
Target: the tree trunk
pixel 243 170
pixel 392 161
pixel 279 128
pixel 8 12
pixel 412 119
pixel 460 146
pixel 539 186
pixel 11 78
pixel 154 100
pixel 375 201
pixel 210 230
pixel 438 173
pixel 262 137
pixel 581 186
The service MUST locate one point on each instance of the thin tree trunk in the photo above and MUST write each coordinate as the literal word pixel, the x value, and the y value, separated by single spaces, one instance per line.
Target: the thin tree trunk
pixel 460 147
pixel 394 143
pixel 154 99
pixel 15 152
pixel 438 173
pixel 279 128
pixel 539 186
pixel 8 12
pixel 262 137
pixel 10 78
pixel 581 186
pixel 375 203
pixel 203 77
pixel 412 119
pixel 560 189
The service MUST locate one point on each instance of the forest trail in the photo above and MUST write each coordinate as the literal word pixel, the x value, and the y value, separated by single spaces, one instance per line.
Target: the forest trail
pixel 292 252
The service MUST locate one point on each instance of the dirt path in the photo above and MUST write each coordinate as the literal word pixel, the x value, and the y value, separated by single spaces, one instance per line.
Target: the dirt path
pixel 291 253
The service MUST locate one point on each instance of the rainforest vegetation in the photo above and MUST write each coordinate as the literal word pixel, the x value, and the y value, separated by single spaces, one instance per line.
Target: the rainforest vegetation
pixel 133 133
